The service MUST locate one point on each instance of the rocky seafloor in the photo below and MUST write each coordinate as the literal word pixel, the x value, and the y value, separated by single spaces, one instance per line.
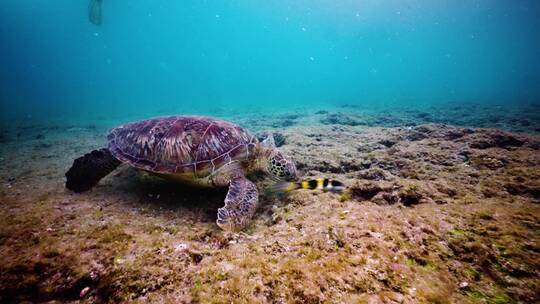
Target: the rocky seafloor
pixel 434 213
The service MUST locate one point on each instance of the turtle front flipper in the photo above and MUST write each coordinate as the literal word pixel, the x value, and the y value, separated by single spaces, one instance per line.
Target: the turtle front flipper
pixel 240 204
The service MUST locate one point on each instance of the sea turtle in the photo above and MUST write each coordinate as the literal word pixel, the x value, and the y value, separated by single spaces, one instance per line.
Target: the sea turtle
pixel 197 150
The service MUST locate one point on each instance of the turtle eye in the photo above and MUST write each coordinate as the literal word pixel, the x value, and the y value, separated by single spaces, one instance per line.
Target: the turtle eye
pixel 290 171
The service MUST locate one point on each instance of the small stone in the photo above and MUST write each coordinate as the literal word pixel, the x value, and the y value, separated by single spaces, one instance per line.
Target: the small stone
pixel 84 292
pixel 94 275
pixel 463 285
pixel 387 143
pixel 180 247
pixel 228 267
pixel 381 276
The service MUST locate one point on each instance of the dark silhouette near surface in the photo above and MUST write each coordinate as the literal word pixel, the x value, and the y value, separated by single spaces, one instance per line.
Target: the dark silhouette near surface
pixel 95 12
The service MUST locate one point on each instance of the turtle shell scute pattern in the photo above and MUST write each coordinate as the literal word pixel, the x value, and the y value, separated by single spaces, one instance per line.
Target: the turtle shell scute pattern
pixel 181 144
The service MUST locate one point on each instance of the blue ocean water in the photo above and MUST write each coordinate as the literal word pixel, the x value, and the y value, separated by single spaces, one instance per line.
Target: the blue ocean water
pixel 163 57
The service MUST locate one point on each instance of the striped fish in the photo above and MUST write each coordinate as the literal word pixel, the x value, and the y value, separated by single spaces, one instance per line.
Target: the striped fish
pixel 324 184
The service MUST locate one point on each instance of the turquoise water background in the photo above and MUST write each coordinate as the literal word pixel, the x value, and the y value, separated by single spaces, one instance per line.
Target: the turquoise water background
pixel 164 57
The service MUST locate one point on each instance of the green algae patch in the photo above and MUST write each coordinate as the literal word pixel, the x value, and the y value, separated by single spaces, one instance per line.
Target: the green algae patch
pixel 111 236
pixel 478 296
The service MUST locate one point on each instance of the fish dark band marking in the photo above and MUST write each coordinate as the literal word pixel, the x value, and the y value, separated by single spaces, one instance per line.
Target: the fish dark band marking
pixel 325 182
pixel 312 184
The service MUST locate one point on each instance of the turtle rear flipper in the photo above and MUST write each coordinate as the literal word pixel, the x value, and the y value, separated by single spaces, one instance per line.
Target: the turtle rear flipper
pixel 240 204
pixel 87 170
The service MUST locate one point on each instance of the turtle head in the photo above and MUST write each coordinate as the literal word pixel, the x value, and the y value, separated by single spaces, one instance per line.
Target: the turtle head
pixel 275 163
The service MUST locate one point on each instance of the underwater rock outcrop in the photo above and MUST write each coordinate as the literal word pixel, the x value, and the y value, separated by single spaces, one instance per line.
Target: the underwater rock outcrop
pixel 496 139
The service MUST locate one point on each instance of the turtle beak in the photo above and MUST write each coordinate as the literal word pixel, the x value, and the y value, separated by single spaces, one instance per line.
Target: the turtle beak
pixel 293 179
pixel 292 173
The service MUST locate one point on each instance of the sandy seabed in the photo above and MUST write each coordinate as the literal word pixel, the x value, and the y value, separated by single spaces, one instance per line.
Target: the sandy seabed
pixel 434 213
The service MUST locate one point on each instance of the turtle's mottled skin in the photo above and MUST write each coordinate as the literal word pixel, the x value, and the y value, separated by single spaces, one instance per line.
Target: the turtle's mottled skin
pixel 203 151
